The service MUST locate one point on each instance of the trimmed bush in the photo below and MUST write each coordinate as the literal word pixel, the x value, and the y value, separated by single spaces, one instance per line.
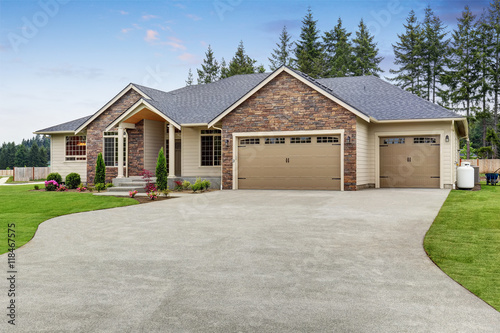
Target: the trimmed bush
pixel 100 170
pixel 73 180
pixel 55 176
pixel 161 171
pixel 100 187
pixel 205 184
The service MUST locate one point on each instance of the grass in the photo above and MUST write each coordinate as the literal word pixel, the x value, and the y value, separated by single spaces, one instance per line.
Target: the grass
pixel 27 209
pixel 464 241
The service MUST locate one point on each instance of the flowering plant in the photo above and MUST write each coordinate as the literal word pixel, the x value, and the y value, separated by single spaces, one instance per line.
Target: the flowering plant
pixel 132 193
pixel 62 188
pixel 178 185
pixel 153 195
pixel 51 185
pixel 81 189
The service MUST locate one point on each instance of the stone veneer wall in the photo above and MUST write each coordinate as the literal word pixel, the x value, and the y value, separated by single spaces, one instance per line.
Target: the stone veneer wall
pixel 95 143
pixel 287 104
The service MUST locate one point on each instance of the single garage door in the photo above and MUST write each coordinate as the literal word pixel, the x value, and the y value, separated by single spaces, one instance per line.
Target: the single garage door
pixel 299 162
pixel 410 161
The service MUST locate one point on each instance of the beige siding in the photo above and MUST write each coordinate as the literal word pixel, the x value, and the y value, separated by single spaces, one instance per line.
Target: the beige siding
pixel 422 128
pixel 154 138
pixel 58 159
pixel 191 155
pixel 365 173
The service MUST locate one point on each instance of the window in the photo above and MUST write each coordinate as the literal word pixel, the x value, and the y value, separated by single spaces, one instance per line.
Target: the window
pixel 394 141
pixel 210 147
pixel 424 140
pixel 111 149
pixel 76 148
pixel 275 141
pixel 304 139
pixel 250 142
pixel 327 139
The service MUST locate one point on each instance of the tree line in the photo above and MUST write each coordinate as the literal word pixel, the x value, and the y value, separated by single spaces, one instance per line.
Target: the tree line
pixel 34 152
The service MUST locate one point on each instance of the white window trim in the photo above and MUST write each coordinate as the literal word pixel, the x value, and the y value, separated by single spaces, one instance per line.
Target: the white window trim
pixel 76 156
pixel 199 146
pixel 238 135
pixel 125 135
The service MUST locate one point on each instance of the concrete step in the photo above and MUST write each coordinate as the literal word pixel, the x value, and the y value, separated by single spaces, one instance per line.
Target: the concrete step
pixel 131 184
pixel 127 189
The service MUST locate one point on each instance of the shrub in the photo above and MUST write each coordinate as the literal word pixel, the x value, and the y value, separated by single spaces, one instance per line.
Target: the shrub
pixel 100 187
pixel 178 185
pixel 62 188
pixel 81 188
pixel 7 168
pixel 55 176
pixel 108 185
pixel 161 171
pixel 132 193
pixel 90 189
pixel 51 185
pixel 186 184
pixel 100 170
pixel 166 192
pixel 197 185
pixel 150 186
pixel 153 195
pixel 205 184
pixel 36 187
pixel 73 180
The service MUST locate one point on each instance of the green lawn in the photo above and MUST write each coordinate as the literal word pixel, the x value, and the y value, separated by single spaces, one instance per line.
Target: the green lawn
pixel 464 241
pixel 27 209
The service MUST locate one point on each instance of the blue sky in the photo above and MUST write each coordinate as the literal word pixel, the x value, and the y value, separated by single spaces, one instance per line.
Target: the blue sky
pixel 64 59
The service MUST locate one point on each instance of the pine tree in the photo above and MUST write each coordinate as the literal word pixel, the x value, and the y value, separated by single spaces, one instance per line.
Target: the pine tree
pixel 161 171
pixel 408 55
pixel 309 55
pixel 224 71
pixel 493 21
pixel 366 59
pixel 462 75
pixel 210 69
pixel 338 51
pixel 189 80
pixel 434 51
pixel 281 56
pixel 483 55
pixel 100 170
pixel 241 63
pixel 34 156
pixel 43 159
pixel 21 156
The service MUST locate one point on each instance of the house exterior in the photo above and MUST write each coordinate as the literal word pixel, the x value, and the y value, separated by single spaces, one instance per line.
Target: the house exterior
pixel 279 130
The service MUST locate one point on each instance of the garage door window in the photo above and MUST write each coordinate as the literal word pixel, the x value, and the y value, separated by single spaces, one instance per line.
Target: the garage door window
pixel 250 141
pixel 394 141
pixel 303 139
pixel 327 139
pixel 275 141
pixel 424 140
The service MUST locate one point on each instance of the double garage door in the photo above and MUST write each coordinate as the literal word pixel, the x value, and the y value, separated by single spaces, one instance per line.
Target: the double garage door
pixel 289 162
pixel 410 161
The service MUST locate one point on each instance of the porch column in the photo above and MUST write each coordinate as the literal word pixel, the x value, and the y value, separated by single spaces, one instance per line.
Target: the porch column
pixel 171 151
pixel 120 151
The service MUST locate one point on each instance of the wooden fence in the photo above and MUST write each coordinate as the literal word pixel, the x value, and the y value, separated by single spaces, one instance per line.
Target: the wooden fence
pixel 31 173
pixel 485 166
pixel 7 173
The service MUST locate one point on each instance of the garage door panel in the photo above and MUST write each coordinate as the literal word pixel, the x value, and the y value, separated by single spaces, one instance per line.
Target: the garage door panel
pixel 300 165
pixel 410 162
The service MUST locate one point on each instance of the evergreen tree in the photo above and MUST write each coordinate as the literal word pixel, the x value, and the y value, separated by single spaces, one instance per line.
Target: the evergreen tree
pixel 408 55
pixel 21 159
pixel 34 156
pixel 100 170
pixel 43 159
pixel 161 171
pixel 366 59
pixel 493 22
pixel 224 71
pixel 210 69
pixel 309 56
pixel 462 75
pixel 281 56
pixel 189 80
pixel 241 63
pixel 338 51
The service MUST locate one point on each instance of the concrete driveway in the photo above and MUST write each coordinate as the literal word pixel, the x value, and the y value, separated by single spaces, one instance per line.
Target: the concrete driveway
pixel 245 261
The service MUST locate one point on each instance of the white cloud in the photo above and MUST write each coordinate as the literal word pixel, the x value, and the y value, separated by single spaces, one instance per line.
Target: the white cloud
pixel 149 17
pixel 123 12
pixel 193 17
pixel 176 44
pixel 126 30
pixel 189 58
pixel 151 36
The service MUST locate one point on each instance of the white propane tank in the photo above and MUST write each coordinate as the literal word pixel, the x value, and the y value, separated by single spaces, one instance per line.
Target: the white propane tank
pixel 465 176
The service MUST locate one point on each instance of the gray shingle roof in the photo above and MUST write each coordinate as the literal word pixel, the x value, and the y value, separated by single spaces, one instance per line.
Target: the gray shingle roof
pixel 69 126
pixel 199 104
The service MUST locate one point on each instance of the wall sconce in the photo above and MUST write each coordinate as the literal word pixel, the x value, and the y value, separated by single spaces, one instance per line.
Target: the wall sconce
pixel 348 140
pixel 447 139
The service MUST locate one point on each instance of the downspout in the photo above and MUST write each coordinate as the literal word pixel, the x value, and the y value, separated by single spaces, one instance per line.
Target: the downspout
pixel 221 164
pixel 454 153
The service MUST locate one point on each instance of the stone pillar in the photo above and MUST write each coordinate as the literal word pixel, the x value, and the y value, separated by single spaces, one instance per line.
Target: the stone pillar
pixel 120 151
pixel 171 151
